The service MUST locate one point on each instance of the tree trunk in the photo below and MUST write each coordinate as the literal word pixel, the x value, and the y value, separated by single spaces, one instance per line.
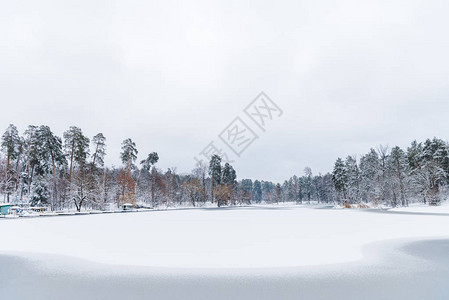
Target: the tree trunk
pixel 104 185
pixel 93 162
pixel 6 176
pixel 54 175
pixel 137 181
pixel 30 180
pixel 29 162
pixel 212 188
pixel 71 161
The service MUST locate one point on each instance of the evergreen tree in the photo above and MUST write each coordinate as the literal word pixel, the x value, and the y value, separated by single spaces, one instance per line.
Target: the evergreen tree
pixel 128 154
pixel 126 182
pixel 152 159
pixel 10 144
pixel 229 176
pixel 339 178
pixel 399 169
pixel 370 182
pixel 49 153
pixel 434 168
pixel 353 179
pixel 40 194
pixel 215 170
pixel 417 170
pixel 99 144
pixel 229 180
pixel 76 146
pixel 257 191
pixel 146 164
pixel 32 146
pixel 246 186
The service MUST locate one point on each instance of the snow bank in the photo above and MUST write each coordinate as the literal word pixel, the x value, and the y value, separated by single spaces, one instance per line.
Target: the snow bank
pixel 425 208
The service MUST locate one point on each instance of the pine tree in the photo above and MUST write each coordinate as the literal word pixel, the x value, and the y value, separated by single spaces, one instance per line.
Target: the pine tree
pixel 339 177
pixel 76 146
pixel 40 194
pixel 370 181
pixel 128 154
pixel 246 186
pixel 49 154
pixel 31 145
pixel 399 169
pixel 229 176
pixel 99 144
pixel 229 179
pixel 417 170
pixel 146 165
pixel 215 170
pixel 353 179
pixel 215 173
pixel 152 159
pixel 435 161
pixel 10 146
pixel 257 191
pixel 97 179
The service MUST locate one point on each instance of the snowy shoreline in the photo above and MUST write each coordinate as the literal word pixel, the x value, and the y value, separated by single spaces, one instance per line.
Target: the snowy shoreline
pixel 416 208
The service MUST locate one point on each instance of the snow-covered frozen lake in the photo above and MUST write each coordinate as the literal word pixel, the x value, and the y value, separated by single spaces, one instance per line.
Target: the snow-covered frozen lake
pixel 264 252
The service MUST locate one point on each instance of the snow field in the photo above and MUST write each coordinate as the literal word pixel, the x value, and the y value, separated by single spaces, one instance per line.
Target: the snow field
pixel 251 237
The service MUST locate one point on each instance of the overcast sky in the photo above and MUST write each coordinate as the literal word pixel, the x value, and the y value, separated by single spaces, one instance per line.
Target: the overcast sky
pixel 171 75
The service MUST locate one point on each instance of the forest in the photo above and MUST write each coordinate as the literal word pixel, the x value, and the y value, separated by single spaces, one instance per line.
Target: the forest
pixel 42 169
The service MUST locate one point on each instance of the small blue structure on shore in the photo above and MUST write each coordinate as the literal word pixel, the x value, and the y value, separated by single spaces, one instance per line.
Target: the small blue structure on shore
pixel 4 209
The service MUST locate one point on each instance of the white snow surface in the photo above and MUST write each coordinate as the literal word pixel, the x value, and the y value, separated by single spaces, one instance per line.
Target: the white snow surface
pixel 240 237
pixel 424 208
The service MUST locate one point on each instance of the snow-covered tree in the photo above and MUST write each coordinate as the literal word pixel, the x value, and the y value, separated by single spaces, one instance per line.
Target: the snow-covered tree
pixel 352 179
pixel 399 170
pixel 49 153
pixel 308 188
pixel 10 146
pixel 429 167
pixel 99 146
pixel 246 186
pixel 370 177
pixel 76 146
pixel 229 176
pixel 147 163
pixel 339 177
pixel 215 170
pixel 40 193
pixel 129 154
pixel 194 191
pixel 257 191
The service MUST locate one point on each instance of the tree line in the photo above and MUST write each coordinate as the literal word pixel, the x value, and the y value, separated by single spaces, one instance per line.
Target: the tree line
pixel 392 177
pixel 69 173
pixel 395 177
pixel 42 169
